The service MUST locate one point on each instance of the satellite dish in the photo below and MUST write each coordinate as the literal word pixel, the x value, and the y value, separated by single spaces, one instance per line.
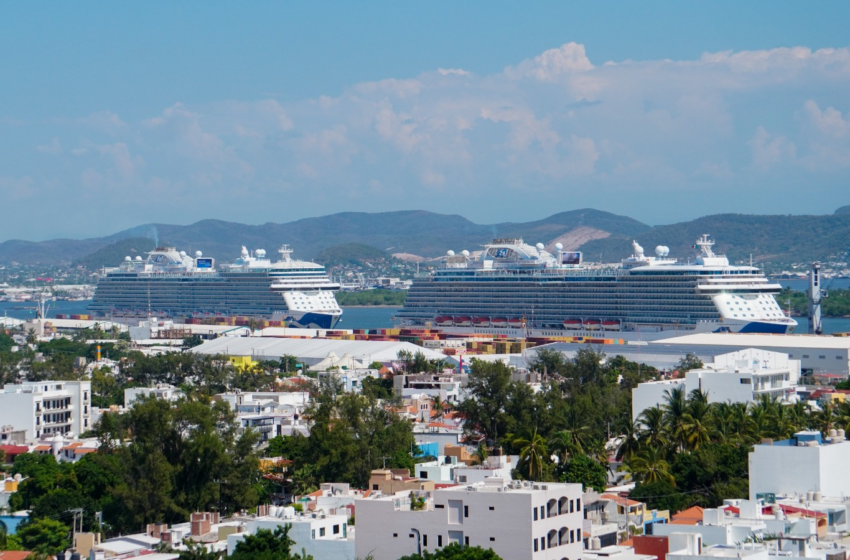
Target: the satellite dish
pixel 127 258
pixel 559 246
pixel 182 253
pixel 540 246
pixel 659 251
pixel 198 254
pixel 450 253
pixel 138 258
pixel 465 253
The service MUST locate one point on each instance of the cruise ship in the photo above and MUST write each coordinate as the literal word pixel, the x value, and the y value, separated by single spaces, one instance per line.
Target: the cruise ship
pixel 519 289
pixel 174 284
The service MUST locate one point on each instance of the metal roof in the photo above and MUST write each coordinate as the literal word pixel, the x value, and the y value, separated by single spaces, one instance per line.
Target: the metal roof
pixel 761 340
pixel 312 350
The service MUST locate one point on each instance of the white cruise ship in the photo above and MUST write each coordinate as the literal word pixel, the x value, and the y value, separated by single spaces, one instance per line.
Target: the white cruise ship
pixel 174 284
pixel 522 290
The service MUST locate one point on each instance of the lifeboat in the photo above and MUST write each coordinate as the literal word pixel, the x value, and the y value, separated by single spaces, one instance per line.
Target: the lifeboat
pixel 499 322
pixel 590 325
pixel 611 325
pixel 481 321
pixel 572 324
pixel 516 323
pixel 463 321
pixel 444 321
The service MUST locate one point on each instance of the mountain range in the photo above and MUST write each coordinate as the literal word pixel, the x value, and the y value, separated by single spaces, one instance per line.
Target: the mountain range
pixel 416 234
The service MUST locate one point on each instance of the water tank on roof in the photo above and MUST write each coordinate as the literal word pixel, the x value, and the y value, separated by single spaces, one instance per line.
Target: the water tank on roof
pixel 273 511
pixel 289 512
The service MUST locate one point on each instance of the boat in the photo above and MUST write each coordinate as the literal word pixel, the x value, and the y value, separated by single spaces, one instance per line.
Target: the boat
pixel 170 283
pixel 462 321
pixel 444 321
pixel 642 297
pixel 499 322
pixel 481 321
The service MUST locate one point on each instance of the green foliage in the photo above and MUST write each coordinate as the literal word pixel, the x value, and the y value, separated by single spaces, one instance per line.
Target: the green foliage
pixel 192 341
pixel 356 254
pixel 6 342
pixel 197 551
pixel 394 298
pixel 44 536
pixel 661 495
pixel 836 304
pixel 688 362
pixel 350 436
pixel 582 469
pixel 267 545
pixel 377 388
pixel 454 551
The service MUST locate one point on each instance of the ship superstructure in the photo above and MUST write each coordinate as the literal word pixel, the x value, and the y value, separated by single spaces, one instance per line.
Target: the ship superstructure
pixel 172 283
pixel 516 288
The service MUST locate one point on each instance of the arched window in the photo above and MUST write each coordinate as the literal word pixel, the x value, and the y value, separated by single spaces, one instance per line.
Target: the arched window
pixel 552 508
pixel 563 505
pixel 552 539
pixel 564 536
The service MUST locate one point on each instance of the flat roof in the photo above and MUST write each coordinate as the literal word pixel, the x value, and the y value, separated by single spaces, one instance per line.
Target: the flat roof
pixel 759 340
pixel 312 348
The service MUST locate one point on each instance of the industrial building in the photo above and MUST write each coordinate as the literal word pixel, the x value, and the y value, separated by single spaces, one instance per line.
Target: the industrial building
pixel 312 351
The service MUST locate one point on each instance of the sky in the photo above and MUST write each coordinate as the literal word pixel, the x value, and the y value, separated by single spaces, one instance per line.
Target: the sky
pixel 117 114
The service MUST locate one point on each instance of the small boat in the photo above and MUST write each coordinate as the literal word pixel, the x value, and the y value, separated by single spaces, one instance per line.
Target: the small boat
pixel 516 323
pixel 572 324
pixel 444 321
pixel 611 325
pixel 463 321
pixel 481 321
pixel 499 322
pixel 590 325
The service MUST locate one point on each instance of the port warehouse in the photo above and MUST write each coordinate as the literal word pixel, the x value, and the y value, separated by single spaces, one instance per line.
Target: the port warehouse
pixel 817 354
pixel 311 351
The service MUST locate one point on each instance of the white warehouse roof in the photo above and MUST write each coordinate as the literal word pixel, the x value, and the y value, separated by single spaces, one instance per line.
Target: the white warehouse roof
pixel 761 340
pixel 311 350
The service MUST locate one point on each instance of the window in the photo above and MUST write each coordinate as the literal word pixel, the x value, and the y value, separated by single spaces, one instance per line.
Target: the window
pixel 492 539
pixel 492 508
pixel 321 531
pixel 424 540
pixel 805 355
pixel 439 540
pixel 745 381
pixel 466 511
pixel 374 487
pixel 535 514
pixel 461 478
pixel 336 529
pixel 542 543
pixel 313 534
pixel 423 474
pixel 466 541
pixel 439 506
pixel 821 357
pixel 535 545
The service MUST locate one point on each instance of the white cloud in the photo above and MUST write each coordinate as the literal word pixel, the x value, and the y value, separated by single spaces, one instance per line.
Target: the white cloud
pixel 16 188
pixel 604 134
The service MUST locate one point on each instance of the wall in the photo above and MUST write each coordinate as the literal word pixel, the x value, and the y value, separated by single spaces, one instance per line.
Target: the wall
pixel 783 469
pixel 648 395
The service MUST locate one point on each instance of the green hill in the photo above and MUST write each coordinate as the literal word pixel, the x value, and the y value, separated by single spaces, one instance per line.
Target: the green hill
pixel 351 254
pixel 114 253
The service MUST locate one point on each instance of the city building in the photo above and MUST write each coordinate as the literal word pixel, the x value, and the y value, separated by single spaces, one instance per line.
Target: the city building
pixel 518 520
pixel 805 463
pixel 47 407
pixel 741 376
pixel 161 391
pixel 391 481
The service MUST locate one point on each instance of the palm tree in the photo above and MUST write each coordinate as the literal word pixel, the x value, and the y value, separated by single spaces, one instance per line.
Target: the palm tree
pixel 654 431
pixel 650 466
pixel 630 432
pixel 532 454
pixel 675 409
pixel 566 443
pixel 437 407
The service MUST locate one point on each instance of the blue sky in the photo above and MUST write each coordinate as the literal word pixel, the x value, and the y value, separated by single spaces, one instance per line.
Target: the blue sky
pixel 114 115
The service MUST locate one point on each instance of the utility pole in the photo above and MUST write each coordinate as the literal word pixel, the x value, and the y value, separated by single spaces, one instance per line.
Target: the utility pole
pixel 816 295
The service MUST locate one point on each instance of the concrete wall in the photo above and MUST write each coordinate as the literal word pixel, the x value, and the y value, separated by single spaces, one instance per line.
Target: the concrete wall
pixel 648 395
pixel 783 469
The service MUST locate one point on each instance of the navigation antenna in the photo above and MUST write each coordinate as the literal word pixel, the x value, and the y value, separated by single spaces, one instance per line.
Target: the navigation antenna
pixel 816 296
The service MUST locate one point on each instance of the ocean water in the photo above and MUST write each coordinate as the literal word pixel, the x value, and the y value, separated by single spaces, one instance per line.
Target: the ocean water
pixel 352 317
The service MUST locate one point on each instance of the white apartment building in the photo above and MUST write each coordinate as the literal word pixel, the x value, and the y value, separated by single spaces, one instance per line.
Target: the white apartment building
pixel 322 536
pixel 494 466
pixel 519 521
pixel 161 391
pixel 741 376
pixel 805 463
pixel 47 407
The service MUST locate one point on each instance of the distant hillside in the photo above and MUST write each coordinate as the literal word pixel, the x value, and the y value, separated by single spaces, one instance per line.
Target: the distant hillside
pixel 350 254
pixel 114 253
pixel 843 210
pixel 775 239
pixel 414 232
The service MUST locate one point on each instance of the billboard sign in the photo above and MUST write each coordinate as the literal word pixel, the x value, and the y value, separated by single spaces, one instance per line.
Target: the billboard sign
pixel 571 257
pixel 204 263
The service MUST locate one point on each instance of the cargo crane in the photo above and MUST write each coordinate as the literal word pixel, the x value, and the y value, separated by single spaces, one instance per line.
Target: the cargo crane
pixel 817 295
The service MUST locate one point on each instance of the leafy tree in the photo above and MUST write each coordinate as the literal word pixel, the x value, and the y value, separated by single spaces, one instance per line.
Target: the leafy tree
pixel 584 470
pixel 688 362
pixel 268 545
pixel 660 495
pixel 197 551
pixel 44 536
pixel 454 551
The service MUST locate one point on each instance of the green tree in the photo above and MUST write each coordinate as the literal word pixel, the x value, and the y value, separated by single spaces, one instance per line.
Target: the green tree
pixel 583 470
pixel 660 495
pixel 533 455
pixel 44 536
pixel 197 551
pixel 455 551
pixel 267 545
